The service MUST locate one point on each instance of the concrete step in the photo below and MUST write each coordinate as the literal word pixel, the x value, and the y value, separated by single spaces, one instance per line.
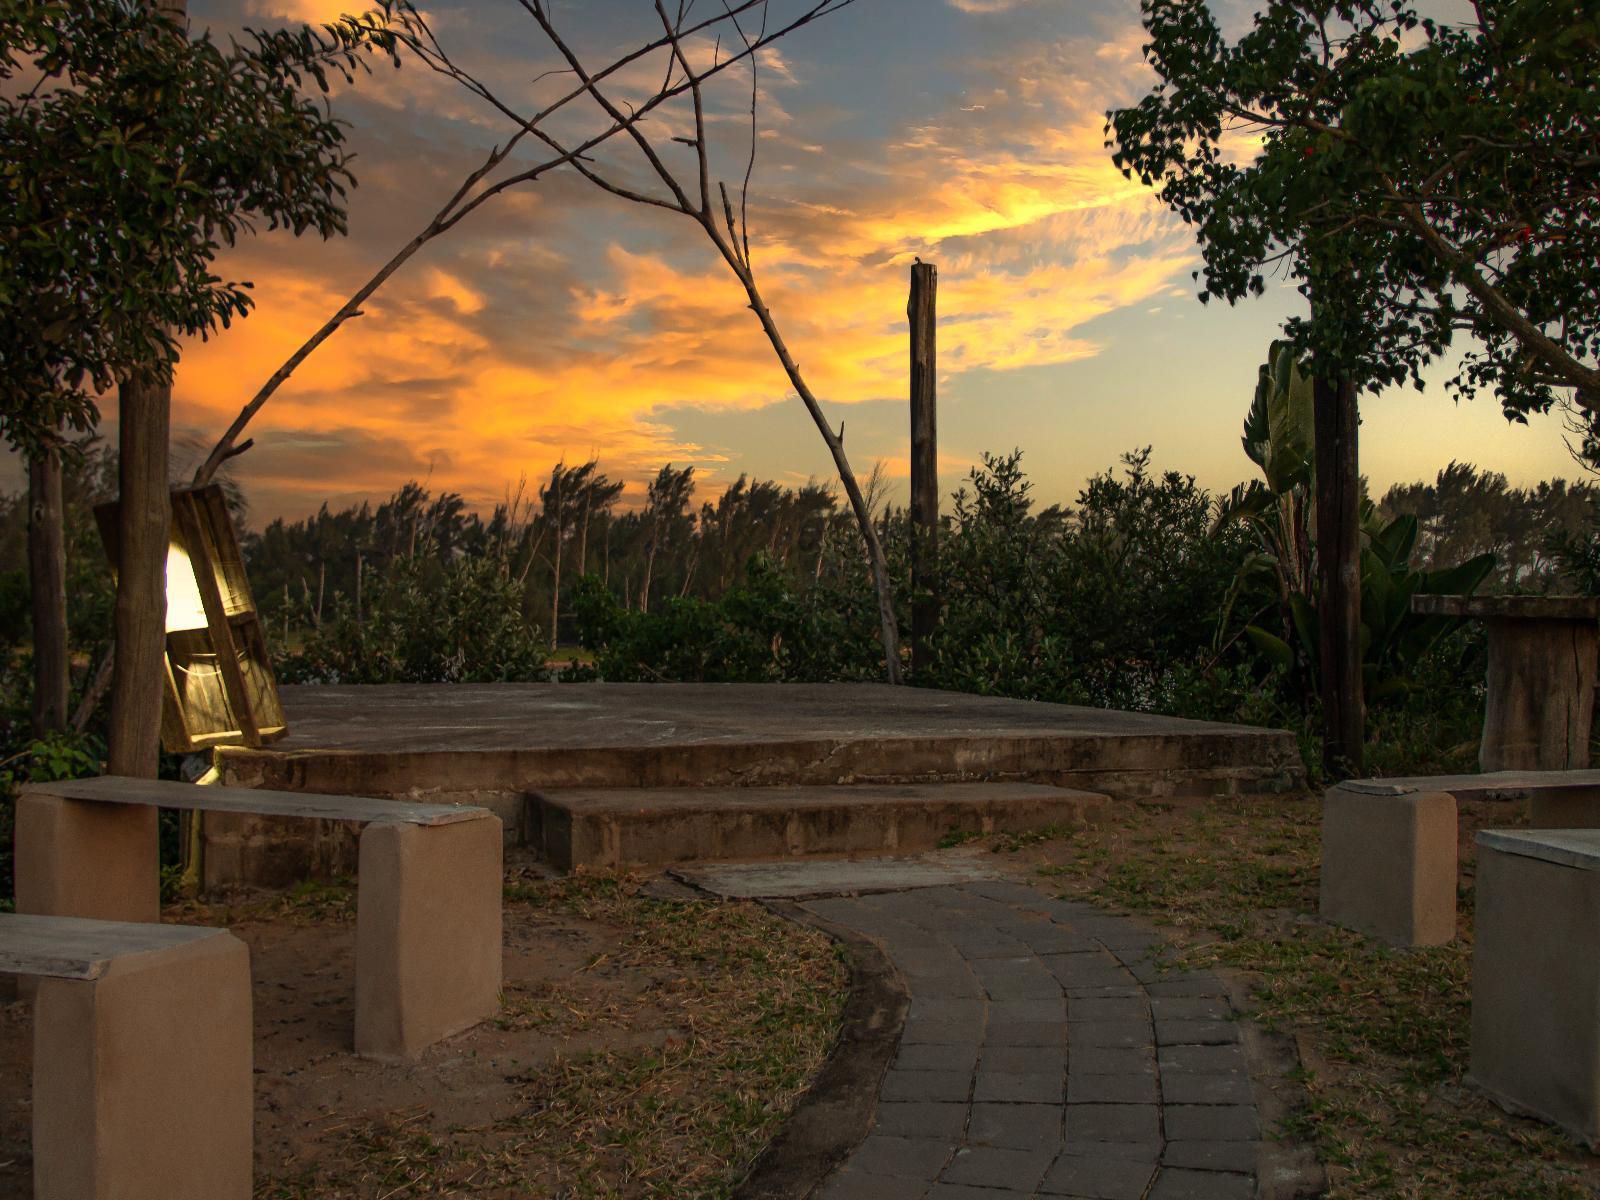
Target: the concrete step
pixel 652 826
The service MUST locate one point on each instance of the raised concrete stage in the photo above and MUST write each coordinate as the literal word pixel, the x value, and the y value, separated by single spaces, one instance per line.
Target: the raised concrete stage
pixel 530 752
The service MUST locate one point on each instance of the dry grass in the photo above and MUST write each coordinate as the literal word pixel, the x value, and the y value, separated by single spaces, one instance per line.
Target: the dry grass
pixel 738 1009
pixel 1383 1033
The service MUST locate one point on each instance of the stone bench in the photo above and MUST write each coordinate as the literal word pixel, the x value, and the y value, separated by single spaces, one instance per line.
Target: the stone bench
pixel 428 940
pixel 1389 860
pixel 1536 976
pixel 142 1057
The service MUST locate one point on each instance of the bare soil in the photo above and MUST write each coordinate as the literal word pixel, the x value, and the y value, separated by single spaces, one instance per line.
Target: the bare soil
pixel 604 977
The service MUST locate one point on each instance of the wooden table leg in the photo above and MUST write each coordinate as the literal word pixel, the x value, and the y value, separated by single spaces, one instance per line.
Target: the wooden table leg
pixel 1541 682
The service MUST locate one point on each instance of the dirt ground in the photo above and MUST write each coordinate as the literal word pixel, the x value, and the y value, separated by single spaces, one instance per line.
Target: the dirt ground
pixel 598 987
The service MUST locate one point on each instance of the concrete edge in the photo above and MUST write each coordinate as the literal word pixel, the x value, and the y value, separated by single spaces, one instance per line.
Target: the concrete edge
pixel 835 1113
pixel 1284 1170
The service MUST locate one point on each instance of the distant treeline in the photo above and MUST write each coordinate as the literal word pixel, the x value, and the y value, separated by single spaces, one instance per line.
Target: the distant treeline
pixel 674 547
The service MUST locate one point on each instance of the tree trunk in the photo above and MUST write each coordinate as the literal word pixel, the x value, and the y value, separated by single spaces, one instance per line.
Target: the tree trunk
pixel 144 513
pixel 555 587
pixel 1339 577
pixel 921 312
pixel 47 580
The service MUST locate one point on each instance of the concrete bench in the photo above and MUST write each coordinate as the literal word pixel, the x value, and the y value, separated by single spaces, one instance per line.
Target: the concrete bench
pixel 428 934
pixel 142 1057
pixel 1536 976
pixel 1389 861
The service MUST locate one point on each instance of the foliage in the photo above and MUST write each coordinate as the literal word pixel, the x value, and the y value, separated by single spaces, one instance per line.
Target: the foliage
pixel 1465 512
pixel 419 621
pixel 1418 178
pixel 132 152
pixel 1101 605
pixel 44 760
pixel 769 628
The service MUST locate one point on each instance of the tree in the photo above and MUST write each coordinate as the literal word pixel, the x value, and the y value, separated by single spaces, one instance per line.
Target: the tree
pixel 710 207
pixel 1427 179
pixel 132 152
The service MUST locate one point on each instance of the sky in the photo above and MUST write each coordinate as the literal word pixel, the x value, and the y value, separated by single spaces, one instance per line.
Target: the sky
pixel 560 322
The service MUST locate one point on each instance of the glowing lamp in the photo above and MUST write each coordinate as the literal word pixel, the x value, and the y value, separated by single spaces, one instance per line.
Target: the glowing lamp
pixel 220 689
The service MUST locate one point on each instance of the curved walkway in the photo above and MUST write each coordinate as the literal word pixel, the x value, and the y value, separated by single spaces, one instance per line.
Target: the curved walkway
pixel 1046 1054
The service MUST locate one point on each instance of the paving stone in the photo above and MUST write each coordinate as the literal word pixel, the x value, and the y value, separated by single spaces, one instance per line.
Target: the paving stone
pixel 1108 1008
pixel 1124 1034
pixel 1111 1089
pixel 1218 1059
pixel 1127 936
pixel 1085 971
pixel 1024 1033
pixel 1000 1087
pixel 1050 938
pixel 950 1086
pixel 1129 989
pixel 985 946
pixel 925 1057
pixel 1112 1060
pixel 1023 1060
pixel 960 1191
pixel 921 1119
pixel 1202 1185
pixel 1184 1087
pixel 997 1167
pixel 1190 1008
pixel 1020 985
pixel 942 1031
pixel 1148 970
pixel 946 1009
pixel 1113 1122
pixel 1093 1178
pixel 1212 1122
pixel 1033 1008
pixel 1197 1033
pixel 1146 1150
pixel 850 1184
pixel 1015 1126
pixel 904 1158
pixel 1006 891
pixel 1190 983
pixel 1211 1156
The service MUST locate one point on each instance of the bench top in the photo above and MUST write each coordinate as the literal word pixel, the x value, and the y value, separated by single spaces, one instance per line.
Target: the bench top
pixel 1523 608
pixel 1578 848
pixel 75 948
pixel 169 793
pixel 1490 785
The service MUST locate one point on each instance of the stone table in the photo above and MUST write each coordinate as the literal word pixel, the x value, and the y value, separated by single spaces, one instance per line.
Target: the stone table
pixel 1541 677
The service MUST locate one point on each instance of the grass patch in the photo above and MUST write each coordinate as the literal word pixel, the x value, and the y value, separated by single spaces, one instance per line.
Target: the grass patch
pixel 738 1010
pixel 1383 1033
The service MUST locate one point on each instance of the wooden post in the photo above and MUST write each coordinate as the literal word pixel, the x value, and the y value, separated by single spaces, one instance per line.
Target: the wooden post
pixel 47 582
pixel 1339 576
pixel 143 524
pixel 922 311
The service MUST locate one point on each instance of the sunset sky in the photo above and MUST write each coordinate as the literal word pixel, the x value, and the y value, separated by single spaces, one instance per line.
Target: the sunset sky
pixel 559 321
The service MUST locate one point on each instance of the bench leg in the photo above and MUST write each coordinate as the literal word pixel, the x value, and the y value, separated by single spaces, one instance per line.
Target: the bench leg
pixel 142 1086
pixel 428 947
pixel 76 858
pixel 1389 865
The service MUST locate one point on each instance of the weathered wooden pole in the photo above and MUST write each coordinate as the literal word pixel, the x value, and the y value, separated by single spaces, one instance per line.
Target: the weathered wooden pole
pixel 47 581
pixel 1339 575
pixel 144 516
pixel 922 311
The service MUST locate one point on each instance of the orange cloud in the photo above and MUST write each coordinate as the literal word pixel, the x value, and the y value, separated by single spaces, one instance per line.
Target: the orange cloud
pixel 566 324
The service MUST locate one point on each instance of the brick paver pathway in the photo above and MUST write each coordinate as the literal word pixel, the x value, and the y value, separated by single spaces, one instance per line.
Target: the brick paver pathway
pixel 1046 1054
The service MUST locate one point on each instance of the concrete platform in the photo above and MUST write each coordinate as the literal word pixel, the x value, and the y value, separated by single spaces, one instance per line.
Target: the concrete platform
pixel 500 745
pixel 653 826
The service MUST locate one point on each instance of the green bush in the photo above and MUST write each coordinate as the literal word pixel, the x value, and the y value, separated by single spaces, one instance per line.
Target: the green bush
pixel 44 760
pixel 420 621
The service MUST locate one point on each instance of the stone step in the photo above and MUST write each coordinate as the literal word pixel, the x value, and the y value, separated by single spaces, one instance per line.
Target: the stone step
pixel 653 826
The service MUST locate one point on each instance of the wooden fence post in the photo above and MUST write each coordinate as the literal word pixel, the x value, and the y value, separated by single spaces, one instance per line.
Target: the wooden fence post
pixel 922 313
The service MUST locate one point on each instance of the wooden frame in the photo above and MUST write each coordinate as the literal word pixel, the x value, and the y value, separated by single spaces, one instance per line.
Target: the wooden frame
pixel 220 689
